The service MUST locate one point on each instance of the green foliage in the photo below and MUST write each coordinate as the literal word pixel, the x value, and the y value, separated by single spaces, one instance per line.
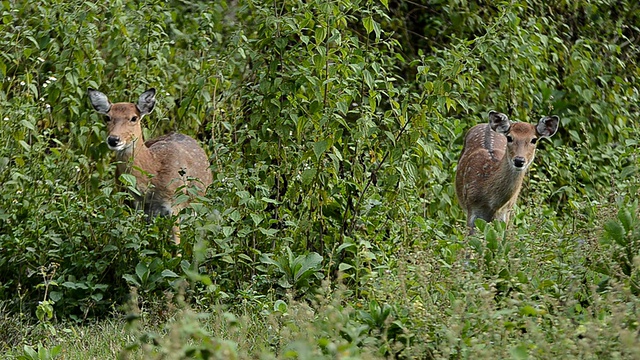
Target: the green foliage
pixel 149 277
pixel 298 272
pixel 333 129
pixel 42 354
pixel 621 240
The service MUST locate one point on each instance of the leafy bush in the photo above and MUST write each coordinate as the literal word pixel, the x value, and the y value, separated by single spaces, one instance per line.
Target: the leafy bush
pixel 333 130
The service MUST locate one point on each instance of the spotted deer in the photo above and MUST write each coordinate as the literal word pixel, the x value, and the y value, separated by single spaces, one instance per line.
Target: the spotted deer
pixel 493 163
pixel 161 165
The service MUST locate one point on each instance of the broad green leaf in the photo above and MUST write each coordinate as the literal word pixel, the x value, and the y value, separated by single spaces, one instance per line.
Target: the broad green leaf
pixel 321 34
pixel 615 231
pixel 142 271
pixel 320 147
pixel 368 24
pixel 519 352
pixel 30 352
pixel 308 175
pixel 257 218
pixel 626 219
pixel 131 279
pixel 166 273
pixel 491 236
pixel 280 306
pixel 310 263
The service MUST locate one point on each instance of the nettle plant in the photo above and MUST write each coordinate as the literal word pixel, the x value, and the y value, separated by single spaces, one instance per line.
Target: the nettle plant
pixel 323 116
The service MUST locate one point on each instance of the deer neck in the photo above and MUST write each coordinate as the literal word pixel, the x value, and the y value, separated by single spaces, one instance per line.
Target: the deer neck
pixel 508 180
pixel 134 159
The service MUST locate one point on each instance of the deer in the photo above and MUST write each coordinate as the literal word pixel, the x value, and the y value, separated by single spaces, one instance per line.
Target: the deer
pixel 493 163
pixel 160 166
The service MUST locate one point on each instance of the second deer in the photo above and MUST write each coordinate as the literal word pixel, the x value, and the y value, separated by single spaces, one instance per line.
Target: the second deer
pixel 493 163
pixel 161 165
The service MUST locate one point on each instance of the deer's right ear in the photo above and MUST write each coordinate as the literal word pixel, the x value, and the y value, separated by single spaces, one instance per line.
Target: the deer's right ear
pixel 499 122
pixel 99 101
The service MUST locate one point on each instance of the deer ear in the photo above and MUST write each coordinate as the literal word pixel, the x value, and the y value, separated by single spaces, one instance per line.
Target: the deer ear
pixel 499 122
pixel 147 102
pixel 99 101
pixel 547 126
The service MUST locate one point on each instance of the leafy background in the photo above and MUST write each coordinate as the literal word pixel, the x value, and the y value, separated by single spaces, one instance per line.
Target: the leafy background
pixel 331 228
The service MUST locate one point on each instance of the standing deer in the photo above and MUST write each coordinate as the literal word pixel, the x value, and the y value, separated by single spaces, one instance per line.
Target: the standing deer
pixel 161 165
pixel 492 165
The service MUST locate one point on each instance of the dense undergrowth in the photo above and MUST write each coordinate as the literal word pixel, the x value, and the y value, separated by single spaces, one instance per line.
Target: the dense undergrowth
pixel 331 228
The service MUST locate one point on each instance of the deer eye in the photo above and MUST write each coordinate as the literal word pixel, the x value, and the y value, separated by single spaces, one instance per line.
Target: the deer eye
pixel 534 140
pixel 509 139
pixel 134 119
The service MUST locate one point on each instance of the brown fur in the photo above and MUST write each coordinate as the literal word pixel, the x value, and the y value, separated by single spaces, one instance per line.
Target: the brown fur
pixel 167 162
pixel 488 180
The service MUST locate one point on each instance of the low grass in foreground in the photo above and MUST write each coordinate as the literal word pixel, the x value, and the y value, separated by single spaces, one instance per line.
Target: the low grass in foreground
pixel 504 294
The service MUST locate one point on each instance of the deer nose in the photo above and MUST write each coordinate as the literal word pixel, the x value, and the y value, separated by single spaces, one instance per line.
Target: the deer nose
pixel 518 162
pixel 113 141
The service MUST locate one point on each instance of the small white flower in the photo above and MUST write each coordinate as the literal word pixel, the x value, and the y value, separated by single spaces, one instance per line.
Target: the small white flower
pixel 19 192
pixel 77 168
pixel 45 85
pixel 167 93
pixel 40 59
pixel 47 106
pixel 22 83
pixel 6 118
pixel 53 78
pixel 41 99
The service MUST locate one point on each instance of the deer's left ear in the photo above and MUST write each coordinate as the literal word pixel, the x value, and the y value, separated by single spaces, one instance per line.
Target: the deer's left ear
pixel 147 102
pixel 547 126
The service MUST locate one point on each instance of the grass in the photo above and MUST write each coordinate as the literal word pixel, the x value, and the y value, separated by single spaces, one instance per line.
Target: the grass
pixel 103 339
pixel 529 295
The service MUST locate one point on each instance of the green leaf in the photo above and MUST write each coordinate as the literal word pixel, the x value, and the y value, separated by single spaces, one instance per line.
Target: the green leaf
pixel 257 218
pixel 142 271
pixel 308 176
pixel 270 201
pixel 30 352
pixel 626 219
pixel 130 182
pixel 131 279
pixel 55 351
pixel 528 310
pixel 368 79
pixel 25 145
pixel 320 147
pixel 265 259
pixel 284 283
pixel 268 232
pixel 166 273
pixel 368 24
pixel 321 34
pixel 491 236
pixel 615 232
pixel 310 263
pixel 519 352
pixel 280 306
pixel 27 124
